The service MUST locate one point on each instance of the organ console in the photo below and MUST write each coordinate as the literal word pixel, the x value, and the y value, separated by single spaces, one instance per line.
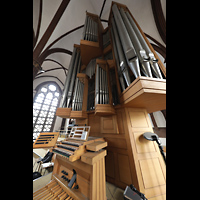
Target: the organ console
pixel 115 79
pixel 79 171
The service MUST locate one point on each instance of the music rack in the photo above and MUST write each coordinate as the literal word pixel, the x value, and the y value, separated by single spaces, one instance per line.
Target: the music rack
pixel 46 140
pixel 79 133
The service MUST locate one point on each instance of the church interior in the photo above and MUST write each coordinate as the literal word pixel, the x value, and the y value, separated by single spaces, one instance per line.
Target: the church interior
pixel 99 99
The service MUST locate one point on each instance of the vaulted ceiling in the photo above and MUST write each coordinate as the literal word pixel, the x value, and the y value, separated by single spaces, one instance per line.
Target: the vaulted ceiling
pixel 58 25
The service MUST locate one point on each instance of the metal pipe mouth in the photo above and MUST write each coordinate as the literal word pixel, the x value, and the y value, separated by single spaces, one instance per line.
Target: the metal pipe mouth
pixel 147 68
pixel 134 66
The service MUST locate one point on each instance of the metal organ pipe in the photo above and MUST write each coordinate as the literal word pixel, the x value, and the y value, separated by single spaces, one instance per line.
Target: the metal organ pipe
pixel 78 96
pixel 68 78
pixel 75 95
pixel 97 86
pixel 153 61
pixel 69 97
pixel 117 62
pixel 74 68
pixel 136 43
pixel 84 28
pixel 129 50
pixel 122 59
pixel 106 89
pixel 90 30
pixel 101 86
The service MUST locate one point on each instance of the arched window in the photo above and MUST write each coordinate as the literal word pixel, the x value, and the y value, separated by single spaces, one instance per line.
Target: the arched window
pixel 44 107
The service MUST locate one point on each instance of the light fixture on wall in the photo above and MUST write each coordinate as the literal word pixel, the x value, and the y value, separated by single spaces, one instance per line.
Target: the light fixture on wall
pixel 37 65
pixel 41 70
pixel 154 137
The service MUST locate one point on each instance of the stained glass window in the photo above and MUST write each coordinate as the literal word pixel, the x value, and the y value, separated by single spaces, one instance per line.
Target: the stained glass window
pixel 44 108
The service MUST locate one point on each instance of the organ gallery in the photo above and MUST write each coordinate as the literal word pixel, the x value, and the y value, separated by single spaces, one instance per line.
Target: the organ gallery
pixel 114 80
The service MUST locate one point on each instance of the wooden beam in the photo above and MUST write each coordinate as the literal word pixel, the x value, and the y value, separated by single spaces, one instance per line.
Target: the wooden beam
pixel 159 18
pixel 39 23
pixel 34 40
pixel 58 64
pixel 160 131
pixel 50 51
pixel 153 120
pixel 48 70
pixel 52 77
pixel 50 29
pixel 159 50
pixel 65 34
pixel 102 8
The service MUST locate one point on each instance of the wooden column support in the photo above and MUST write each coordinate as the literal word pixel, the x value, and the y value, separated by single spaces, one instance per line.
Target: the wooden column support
pixel 131 159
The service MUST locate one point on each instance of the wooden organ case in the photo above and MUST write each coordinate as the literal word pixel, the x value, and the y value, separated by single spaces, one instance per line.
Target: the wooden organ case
pixel 121 86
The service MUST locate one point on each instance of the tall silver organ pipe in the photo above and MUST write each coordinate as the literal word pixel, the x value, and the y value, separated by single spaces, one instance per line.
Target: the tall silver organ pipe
pixel 127 45
pixel 141 53
pixel 74 68
pixel 97 85
pixel 153 61
pixel 68 78
pixel 117 63
pixel 78 96
pixel 101 86
pixel 90 30
pixel 122 59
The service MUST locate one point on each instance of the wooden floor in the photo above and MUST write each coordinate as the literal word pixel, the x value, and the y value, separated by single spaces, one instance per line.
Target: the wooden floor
pixel 113 192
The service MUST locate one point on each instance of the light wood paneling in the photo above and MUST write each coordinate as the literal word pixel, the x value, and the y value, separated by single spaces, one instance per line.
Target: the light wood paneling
pixel 63 112
pixel 137 119
pixel 116 142
pixel 109 124
pixel 149 164
pixel 96 146
pixel 124 169
pixel 152 173
pixel 131 158
pixel 143 145
pixel 145 92
pixel 110 166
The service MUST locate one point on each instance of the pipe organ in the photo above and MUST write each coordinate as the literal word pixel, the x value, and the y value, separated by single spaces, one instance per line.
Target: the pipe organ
pixel 115 79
